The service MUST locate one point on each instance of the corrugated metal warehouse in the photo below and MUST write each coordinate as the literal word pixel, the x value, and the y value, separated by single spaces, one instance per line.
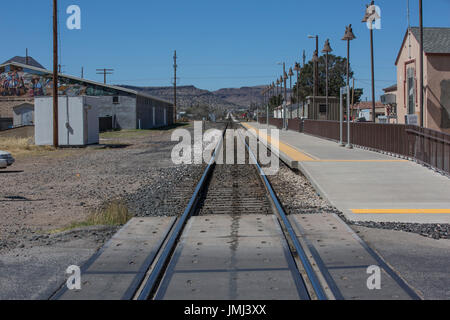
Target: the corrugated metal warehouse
pixel 126 109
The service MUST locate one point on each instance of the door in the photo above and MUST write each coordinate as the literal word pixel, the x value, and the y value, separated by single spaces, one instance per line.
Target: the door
pixel 27 118
pixel 85 126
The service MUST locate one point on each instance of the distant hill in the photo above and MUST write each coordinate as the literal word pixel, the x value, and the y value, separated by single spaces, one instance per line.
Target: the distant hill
pixel 241 96
pixel 187 96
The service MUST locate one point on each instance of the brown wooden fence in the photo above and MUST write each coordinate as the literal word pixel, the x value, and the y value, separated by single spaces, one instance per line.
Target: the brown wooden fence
pixel 427 146
pixel 272 121
pixel 295 125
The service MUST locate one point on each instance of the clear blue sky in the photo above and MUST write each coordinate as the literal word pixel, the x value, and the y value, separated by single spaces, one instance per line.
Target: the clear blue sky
pixel 220 44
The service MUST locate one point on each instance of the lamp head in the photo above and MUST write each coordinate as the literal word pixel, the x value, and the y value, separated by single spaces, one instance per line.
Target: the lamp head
pixel 349 33
pixel 369 11
pixel 327 47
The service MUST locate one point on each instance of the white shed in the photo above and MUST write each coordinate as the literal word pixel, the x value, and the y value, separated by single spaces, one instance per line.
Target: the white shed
pixel 78 122
pixel 23 115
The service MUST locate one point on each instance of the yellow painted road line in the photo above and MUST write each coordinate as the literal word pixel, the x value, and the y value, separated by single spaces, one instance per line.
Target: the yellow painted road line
pixel 394 160
pixel 292 153
pixel 401 211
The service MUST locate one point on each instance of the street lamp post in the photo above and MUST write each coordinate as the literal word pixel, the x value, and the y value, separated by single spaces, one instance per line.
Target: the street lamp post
pixel 369 16
pixel 281 100
pixel 297 69
pixel 326 49
pixel 349 36
pixel 315 59
pixel 316 64
pixel 290 74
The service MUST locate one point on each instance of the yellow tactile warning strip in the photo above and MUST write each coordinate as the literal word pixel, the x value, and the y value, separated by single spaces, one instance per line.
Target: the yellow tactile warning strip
pixel 393 160
pixel 401 211
pixel 302 156
pixel 292 153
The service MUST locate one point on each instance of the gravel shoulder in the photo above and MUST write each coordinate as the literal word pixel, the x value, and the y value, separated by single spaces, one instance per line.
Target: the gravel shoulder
pixel 49 192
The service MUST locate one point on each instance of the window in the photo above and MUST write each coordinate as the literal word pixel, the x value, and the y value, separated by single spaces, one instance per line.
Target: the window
pixel 411 91
pixel 323 108
pixel 116 100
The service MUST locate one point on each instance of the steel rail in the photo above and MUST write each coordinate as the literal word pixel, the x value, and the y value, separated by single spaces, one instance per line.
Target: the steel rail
pixel 287 224
pixel 156 274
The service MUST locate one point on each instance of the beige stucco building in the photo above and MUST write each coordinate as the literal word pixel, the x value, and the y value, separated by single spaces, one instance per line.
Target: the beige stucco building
pixel 436 78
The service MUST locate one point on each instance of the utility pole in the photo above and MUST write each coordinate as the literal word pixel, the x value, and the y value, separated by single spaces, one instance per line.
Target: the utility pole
pixel 26 57
pixel 421 64
pixel 369 18
pixel 82 72
pixel 104 72
pixel 55 74
pixel 175 66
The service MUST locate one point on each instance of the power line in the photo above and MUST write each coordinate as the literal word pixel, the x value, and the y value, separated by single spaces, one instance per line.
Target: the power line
pixel 199 78
pixel 105 72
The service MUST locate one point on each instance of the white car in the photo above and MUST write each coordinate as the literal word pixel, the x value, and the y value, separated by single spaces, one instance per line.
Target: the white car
pixel 6 159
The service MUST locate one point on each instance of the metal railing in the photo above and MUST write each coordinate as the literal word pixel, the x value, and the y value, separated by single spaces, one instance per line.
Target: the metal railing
pixel 430 147
pixel 427 146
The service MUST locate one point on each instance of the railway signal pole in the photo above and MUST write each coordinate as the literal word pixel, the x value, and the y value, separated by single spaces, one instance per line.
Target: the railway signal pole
pixel 55 74
pixel 104 72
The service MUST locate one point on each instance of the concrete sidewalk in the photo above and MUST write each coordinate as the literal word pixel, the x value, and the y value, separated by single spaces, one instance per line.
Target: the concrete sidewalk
pixel 365 185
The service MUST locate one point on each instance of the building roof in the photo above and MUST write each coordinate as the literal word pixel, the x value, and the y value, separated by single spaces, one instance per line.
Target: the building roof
pixel 367 105
pixel 23 60
pixel 23 105
pixel 435 40
pixel 86 81
pixel 390 89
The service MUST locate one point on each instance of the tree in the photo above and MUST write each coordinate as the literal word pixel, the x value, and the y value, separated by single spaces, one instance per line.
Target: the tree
pixel 337 75
pixel 275 101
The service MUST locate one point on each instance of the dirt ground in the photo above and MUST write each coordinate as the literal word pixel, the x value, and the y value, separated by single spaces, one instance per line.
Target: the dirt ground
pixel 48 191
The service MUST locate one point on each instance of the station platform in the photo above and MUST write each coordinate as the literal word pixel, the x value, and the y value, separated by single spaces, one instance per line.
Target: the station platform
pixel 365 185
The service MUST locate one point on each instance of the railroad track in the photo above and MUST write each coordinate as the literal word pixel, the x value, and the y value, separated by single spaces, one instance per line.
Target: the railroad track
pixel 235 191
pixel 234 241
